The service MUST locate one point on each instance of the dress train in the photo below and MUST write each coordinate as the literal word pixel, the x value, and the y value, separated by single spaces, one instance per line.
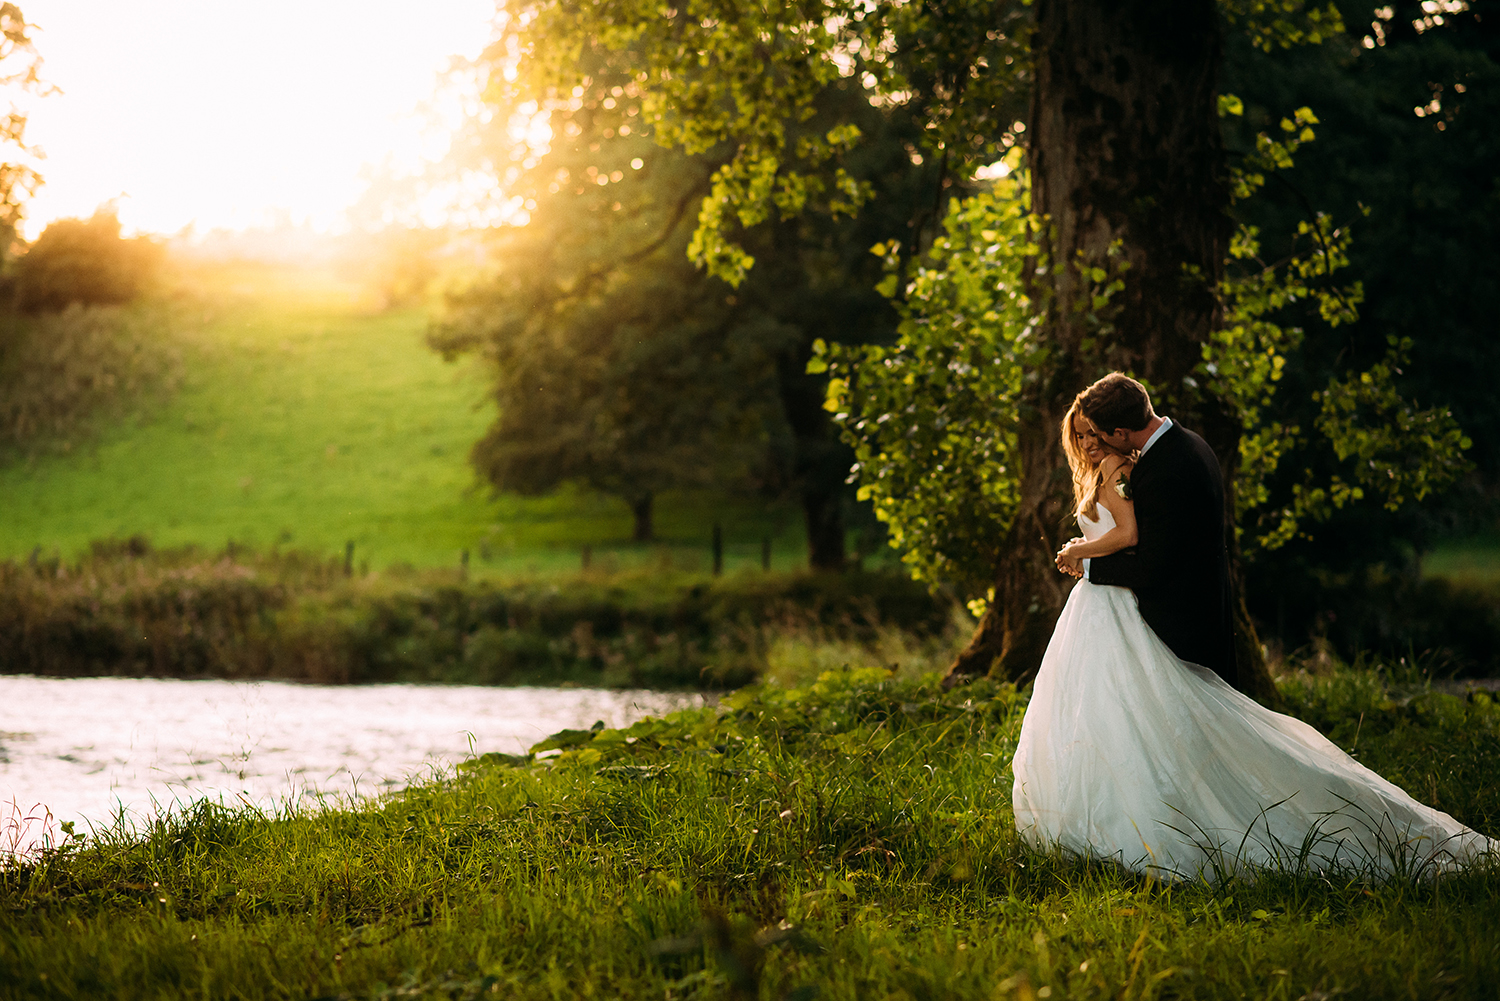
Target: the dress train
pixel 1129 753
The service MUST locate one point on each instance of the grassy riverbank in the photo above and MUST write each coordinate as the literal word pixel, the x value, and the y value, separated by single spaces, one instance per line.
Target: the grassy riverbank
pixel 127 609
pixel 852 839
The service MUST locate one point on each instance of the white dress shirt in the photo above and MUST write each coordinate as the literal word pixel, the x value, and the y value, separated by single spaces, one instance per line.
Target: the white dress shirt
pixel 1166 422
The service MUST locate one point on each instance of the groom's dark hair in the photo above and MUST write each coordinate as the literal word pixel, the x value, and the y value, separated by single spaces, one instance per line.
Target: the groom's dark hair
pixel 1116 401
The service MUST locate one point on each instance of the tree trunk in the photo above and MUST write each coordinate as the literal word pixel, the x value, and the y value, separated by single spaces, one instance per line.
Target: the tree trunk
pixel 640 507
pixel 824 511
pixel 1127 171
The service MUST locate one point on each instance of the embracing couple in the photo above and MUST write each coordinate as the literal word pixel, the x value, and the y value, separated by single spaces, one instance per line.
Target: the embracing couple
pixel 1136 745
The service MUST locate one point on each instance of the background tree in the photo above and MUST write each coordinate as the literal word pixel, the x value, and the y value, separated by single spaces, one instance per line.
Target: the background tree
pixel 19 65
pixel 1404 158
pixel 85 261
pixel 611 216
pixel 1128 178
pixel 616 363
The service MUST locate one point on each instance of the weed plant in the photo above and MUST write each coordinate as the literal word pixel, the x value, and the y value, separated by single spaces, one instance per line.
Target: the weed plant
pixel 848 839
pixel 129 609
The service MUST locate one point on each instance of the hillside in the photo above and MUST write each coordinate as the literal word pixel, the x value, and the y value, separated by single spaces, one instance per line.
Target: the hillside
pixel 304 420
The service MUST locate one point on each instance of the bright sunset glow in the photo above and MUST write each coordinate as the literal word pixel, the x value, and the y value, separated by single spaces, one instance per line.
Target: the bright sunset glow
pixel 232 115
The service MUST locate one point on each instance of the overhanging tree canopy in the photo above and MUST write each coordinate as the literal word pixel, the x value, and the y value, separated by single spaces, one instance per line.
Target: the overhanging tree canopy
pixel 1129 188
pixel 616 363
pixel 19 65
pixel 593 314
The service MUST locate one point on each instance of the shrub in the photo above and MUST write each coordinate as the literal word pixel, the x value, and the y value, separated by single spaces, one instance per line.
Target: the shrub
pixel 61 372
pixel 128 610
pixel 84 261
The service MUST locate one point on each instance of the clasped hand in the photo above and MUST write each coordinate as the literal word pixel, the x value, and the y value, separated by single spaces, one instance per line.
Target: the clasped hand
pixel 1066 562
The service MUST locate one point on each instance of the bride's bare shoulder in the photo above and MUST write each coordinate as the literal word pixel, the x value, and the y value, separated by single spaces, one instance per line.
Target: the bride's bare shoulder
pixel 1112 464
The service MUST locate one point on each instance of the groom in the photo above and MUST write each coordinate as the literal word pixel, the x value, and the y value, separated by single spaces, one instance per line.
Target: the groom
pixel 1179 569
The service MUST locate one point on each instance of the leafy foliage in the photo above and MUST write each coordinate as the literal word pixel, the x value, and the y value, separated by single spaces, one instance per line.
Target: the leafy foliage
pixel 932 417
pixel 1390 448
pixel 708 73
pixel 85 261
pixel 19 66
pixel 615 362
pixel 1423 261
pixel 1409 125
pixel 1283 24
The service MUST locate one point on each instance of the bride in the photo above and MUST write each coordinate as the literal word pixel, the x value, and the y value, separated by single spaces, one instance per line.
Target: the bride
pixel 1129 753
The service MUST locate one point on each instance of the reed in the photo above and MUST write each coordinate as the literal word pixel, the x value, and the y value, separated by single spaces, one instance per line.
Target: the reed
pixel 126 608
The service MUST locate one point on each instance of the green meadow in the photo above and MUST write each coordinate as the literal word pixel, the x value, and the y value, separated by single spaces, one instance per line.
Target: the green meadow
pixel 304 419
pixel 1474 561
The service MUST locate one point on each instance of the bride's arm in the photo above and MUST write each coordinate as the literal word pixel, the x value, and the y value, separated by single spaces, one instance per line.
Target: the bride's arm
pixel 1115 500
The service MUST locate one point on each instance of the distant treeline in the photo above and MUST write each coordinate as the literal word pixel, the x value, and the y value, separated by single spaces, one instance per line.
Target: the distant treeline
pixel 126 609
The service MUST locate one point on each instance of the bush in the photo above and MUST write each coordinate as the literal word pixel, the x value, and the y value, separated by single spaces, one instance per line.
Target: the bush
pixel 84 261
pixel 60 372
pixel 127 610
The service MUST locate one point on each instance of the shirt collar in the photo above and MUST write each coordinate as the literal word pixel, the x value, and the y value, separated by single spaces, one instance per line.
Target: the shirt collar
pixel 1166 422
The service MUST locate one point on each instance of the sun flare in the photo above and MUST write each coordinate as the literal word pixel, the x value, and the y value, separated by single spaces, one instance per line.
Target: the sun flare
pixel 215 115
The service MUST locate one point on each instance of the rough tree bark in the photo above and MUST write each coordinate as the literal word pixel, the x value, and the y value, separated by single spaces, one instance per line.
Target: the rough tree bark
pixel 1125 152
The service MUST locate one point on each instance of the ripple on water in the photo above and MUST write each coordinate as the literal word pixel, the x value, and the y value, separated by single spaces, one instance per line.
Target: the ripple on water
pixel 87 748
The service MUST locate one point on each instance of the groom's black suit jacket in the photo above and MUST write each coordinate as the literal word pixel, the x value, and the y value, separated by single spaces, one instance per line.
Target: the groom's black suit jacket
pixel 1179 568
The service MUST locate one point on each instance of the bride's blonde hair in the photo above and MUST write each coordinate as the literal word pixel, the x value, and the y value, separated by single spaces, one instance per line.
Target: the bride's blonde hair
pixel 1087 478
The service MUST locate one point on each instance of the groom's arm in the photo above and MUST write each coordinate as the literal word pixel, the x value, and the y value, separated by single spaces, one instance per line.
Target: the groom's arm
pixel 1158 507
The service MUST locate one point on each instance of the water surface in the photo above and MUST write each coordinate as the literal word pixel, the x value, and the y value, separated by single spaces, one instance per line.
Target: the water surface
pixel 84 749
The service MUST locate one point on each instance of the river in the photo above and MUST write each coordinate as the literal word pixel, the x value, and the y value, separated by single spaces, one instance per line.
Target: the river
pixel 86 749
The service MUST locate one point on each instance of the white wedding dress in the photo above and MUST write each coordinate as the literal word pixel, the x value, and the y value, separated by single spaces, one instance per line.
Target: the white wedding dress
pixel 1129 753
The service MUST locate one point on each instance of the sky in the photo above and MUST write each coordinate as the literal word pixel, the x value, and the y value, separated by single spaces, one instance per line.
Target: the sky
pixel 229 114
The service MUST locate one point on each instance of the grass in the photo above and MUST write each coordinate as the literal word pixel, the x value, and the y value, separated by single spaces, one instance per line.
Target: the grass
pixel 304 419
pixel 848 839
pixel 1473 562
